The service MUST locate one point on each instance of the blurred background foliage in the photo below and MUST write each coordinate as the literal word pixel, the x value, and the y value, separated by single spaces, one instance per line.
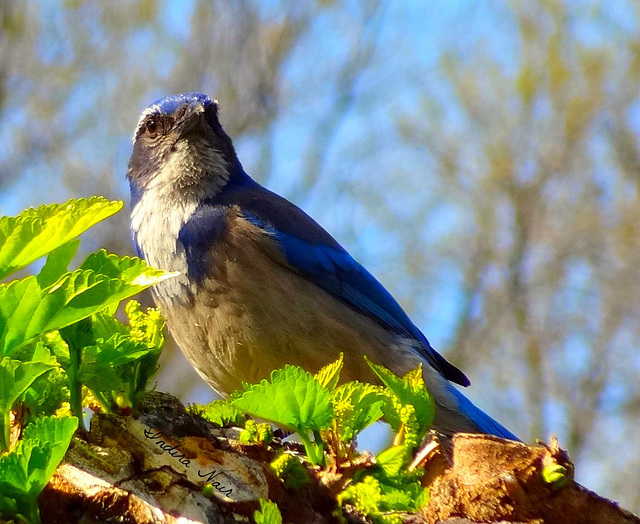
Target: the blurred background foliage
pixel 480 157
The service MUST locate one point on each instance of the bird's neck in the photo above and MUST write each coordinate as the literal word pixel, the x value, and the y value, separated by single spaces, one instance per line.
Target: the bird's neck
pixel 166 204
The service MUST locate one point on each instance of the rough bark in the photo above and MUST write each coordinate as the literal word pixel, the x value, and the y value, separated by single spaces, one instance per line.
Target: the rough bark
pixel 151 468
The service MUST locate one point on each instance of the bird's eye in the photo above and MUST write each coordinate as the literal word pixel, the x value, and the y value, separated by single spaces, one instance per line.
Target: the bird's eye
pixel 152 128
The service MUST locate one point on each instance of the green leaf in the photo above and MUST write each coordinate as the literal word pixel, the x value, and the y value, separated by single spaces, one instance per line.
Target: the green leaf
pixel 28 311
pixel 15 378
pixel 412 402
pixel 36 232
pixel 409 389
pixel 47 391
pixel 289 468
pixel 382 500
pixel 393 460
pixel 98 375
pixel 366 495
pixel 14 470
pixel 254 433
pixel 118 344
pixel 105 325
pixel 119 349
pixel 293 399
pixel 102 280
pixel 57 263
pixel 25 471
pixel 46 394
pixel 18 496
pixel 408 497
pixel 19 302
pixel 147 326
pixel 329 375
pixel 555 474
pixel 268 513
pixel 221 413
pixel 56 434
pixel 356 405
pixel 58 347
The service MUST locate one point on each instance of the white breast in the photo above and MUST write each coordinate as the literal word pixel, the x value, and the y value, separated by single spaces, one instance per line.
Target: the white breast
pixel 168 202
pixel 157 219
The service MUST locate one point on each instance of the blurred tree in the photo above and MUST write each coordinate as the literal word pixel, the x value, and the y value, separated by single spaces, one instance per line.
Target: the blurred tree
pixel 539 156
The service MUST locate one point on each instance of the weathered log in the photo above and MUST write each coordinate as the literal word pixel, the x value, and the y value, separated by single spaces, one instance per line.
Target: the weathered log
pixel 153 468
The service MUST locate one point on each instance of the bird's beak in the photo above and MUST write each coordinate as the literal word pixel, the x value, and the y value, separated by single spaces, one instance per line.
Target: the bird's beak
pixel 192 117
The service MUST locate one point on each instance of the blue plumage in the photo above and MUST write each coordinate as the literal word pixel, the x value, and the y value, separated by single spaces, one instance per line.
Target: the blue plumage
pixel 169 105
pixel 198 235
pixel 262 283
pixel 484 422
pixel 334 270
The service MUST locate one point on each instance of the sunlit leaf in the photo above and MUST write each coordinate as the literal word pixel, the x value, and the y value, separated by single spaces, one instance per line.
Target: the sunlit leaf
pixel 56 433
pixel 15 378
pixel 411 394
pixel 221 413
pixel 293 398
pixel 27 310
pixel 57 263
pixel 26 470
pixel 329 375
pixel 356 405
pixel 36 232
pixel 268 513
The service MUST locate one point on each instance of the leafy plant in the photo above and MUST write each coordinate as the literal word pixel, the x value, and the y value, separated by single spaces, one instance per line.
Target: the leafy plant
pixel 268 513
pixel 62 348
pixel 60 344
pixel 293 399
pixel 221 413
pixel 385 500
pixel 389 489
pixel 254 433
pixel 356 405
pixel 290 470
pixel 555 475
pixel 26 470
pixel 383 488
pixel 410 408
pixel 113 360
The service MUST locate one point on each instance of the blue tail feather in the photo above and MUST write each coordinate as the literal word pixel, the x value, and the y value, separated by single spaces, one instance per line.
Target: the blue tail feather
pixel 480 419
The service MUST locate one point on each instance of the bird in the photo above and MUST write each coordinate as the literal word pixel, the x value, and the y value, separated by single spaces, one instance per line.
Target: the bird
pixel 260 284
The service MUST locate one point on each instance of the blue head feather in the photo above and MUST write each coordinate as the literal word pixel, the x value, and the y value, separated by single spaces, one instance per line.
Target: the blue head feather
pixel 169 104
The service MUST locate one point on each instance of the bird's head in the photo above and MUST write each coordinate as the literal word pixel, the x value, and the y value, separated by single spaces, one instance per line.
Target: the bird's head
pixel 179 143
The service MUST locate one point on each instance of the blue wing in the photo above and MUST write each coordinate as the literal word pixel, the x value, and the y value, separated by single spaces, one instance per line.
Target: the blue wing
pixel 315 254
pixel 338 273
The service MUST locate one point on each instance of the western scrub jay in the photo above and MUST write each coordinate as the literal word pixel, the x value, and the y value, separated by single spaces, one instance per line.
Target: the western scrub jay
pixel 262 284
